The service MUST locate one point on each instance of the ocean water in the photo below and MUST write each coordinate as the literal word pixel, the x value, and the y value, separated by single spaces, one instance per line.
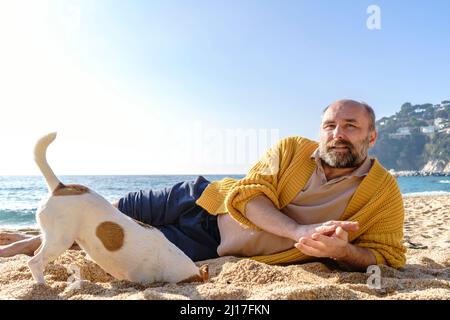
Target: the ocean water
pixel 19 195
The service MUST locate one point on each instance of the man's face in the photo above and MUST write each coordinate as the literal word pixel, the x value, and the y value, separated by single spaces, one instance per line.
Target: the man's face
pixel 345 136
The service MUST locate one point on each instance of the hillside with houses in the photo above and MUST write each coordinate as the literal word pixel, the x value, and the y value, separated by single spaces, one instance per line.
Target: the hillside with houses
pixel 415 138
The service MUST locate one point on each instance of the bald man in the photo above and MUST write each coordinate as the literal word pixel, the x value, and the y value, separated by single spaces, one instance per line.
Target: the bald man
pixel 310 222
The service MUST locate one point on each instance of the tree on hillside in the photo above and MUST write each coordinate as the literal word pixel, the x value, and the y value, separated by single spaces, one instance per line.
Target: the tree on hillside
pixel 414 122
pixel 407 108
pixel 442 114
pixel 438 147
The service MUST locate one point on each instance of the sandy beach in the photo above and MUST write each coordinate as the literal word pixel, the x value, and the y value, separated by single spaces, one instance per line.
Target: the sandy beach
pixel 425 276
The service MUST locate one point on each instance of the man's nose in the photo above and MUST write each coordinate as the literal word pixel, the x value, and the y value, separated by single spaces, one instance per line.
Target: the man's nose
pixel 338 133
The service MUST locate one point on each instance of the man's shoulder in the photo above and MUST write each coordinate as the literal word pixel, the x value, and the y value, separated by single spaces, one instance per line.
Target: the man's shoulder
pixel 380 176
pixel 378 168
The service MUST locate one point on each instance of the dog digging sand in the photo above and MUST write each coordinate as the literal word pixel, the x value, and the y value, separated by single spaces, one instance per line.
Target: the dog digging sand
pixel 121 246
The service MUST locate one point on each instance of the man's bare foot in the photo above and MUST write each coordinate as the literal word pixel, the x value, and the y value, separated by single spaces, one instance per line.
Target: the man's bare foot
pixel 10 237
pixel 25 246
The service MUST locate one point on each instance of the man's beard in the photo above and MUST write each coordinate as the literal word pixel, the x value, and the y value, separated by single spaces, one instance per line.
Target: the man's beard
pixel 349 158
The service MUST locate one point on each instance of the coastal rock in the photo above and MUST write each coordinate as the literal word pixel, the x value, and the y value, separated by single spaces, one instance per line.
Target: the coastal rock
pixel 422 173
pixel 447 168
pixel 436 166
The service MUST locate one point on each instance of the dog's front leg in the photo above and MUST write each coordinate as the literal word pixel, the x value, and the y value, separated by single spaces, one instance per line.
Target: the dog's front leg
pixel 52 246
pixel 36 265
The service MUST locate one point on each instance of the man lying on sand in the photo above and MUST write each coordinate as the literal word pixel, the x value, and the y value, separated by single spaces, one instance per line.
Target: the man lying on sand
pixel 302 201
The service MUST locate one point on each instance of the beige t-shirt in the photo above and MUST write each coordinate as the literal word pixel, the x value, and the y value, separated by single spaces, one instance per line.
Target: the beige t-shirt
pixel 319 201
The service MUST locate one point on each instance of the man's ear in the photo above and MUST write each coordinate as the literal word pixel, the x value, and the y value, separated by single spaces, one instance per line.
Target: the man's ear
pixel 373 137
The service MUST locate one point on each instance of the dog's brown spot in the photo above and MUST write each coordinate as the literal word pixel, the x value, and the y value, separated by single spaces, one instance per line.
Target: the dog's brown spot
pixel 143 224
pixel 111 235
pixel 201 277
pixel 69 190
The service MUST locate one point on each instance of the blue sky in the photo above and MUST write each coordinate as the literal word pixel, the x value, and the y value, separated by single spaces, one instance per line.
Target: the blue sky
pixel 154 87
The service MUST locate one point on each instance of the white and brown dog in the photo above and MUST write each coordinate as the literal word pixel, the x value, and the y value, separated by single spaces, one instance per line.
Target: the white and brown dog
pixel 123 247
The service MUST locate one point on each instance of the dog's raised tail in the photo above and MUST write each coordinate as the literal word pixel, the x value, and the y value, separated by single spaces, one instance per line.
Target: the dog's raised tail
pixel 40 150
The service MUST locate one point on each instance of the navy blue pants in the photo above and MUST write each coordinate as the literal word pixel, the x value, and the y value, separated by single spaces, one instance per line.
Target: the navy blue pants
pixel 174 212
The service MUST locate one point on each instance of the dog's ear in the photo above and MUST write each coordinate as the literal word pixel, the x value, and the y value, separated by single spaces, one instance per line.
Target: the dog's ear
pixel 204 272
pixel 201 277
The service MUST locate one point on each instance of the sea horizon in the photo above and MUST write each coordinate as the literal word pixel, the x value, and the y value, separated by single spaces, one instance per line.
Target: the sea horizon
pixel 20 194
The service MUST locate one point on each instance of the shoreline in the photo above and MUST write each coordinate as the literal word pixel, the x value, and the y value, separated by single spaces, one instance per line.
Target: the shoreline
pixel 418 173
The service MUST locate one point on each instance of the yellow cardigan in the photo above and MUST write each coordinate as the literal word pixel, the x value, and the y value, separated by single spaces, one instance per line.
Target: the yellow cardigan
pixel 280 175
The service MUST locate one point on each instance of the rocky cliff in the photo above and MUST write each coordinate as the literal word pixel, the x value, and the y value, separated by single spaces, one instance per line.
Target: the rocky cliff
pixel 415 138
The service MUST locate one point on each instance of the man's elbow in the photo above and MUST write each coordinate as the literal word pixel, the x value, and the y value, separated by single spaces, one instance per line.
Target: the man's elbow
pixel 257 204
